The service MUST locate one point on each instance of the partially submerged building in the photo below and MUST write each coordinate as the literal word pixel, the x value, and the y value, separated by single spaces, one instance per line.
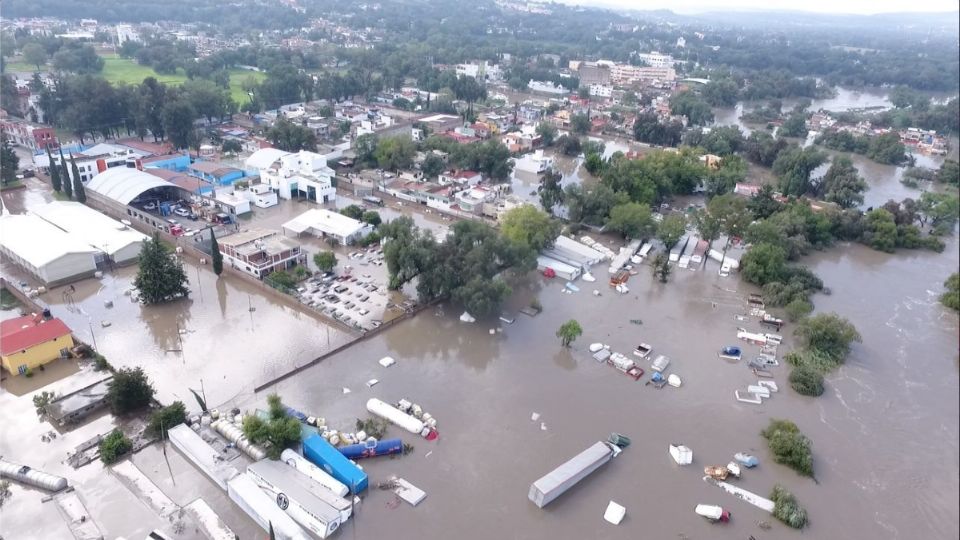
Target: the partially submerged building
pixel 31 341
pixel 45 251
pixel 119 243
pixel 76 406
pixel 326 224
pixel 259 252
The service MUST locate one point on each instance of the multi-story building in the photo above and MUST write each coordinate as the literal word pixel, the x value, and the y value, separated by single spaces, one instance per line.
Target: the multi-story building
pixel 601 90
pixel 295 175
pixel 656 59
pixel 259 252
pixel 98 158
pixel 28 135
pixel 592 73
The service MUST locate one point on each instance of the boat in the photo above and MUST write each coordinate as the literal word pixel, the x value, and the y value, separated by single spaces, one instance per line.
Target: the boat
pixel 747 460
pixel 594 347
pixel 643 350
pixel 660 363
pixel 748 398
pixel 716 472
pixel 681 454
pixel 712 512
pixel 674 380
pixel 733 469
pixel 731 353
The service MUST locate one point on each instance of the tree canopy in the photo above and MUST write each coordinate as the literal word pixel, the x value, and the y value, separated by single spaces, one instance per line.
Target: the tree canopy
pixel 160 277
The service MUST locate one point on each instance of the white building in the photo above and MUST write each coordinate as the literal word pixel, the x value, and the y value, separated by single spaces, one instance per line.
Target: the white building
pixel 460 178
pixel 118 242
pixel 326 224
pixel 98 158
pixel 260 195
pixel 259 252
pixel 233 204
pixel 601 90
pixel 656 59
pixel 547 87
pixel 300 175
pixel 125 33
pixel 48 253
pixel 473 199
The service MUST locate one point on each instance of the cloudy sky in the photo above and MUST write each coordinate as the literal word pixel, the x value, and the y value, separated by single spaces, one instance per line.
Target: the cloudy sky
pixel 822 6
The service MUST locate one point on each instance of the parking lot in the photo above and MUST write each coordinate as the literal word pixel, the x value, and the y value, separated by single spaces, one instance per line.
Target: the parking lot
pixel 354 297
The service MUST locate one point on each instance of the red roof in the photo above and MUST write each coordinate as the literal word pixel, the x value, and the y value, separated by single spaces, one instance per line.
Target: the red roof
pixel 25 332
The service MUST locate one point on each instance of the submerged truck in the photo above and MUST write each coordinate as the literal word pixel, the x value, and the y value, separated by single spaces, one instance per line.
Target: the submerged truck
pixel 564 477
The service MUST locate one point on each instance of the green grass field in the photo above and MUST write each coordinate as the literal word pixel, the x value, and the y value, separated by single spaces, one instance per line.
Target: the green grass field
pixel 127 71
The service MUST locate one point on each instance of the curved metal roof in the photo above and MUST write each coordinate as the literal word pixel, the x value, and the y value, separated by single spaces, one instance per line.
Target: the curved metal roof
pixel 264 157
pixel 124 184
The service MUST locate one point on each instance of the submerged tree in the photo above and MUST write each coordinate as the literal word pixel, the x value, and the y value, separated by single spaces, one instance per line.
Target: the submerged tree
pixel 568 332
pixel 215 256
pixel 160 277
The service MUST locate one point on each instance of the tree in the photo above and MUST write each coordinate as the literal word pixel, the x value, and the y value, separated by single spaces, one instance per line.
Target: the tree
pixel 547 133
pixel 568 145
pixel 764 263
pixel 162 420
pixel 216 257
pixel 529 231
pixel 887 148
pixel 842 184
pixel 231 146
pixel 764 204
pixel 432 166
pixel 794 165
pixel 9 163
pixel 67 181
pixel 353 211
pixel 594 164
pixel 326 261
pixel 671 229
pixel 291 137
pixel 34 53
pixel 54 173
pixel 787 509
pixel 129 390
pixel 828 334
pixel 277 433
pixel 177 117
pixel 160 277
pixel 881 230
pixel 789 446
pixel 569 331
pixel 365 146
pixel 632 220
pixel 482 296
pixel 78 190
pixel 951 298
pixel 551 190
pixel 941 210
pixel 661 267
pixel 114 446
pixel 580 124
pixel 648 128
pixel 794 126
pixel 806 381
pixel 689 104
pixel 760 147
pixel 372 217
pixel 395 153
pixel 949 172
pixel 732 216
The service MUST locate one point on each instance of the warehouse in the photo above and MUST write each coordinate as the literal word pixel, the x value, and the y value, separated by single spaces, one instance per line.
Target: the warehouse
pixel 120 243
pixel 326 224
pixel 48 253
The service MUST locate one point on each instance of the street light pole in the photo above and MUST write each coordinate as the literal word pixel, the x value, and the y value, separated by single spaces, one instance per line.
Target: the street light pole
pixel 92 335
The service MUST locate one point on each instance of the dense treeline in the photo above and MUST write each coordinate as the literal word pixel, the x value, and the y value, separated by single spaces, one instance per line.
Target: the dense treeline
pixel 885 148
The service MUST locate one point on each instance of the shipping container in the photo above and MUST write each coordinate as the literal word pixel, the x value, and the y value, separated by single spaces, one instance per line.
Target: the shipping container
pixel 263 509
pixel 298 496
pixel 551 486
pixel 328 458
pixel 315 473
pixel 202 455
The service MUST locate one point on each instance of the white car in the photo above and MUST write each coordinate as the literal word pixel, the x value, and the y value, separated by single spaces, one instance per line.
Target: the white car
pixel 724 270
pixel 182 212
pixel 150 206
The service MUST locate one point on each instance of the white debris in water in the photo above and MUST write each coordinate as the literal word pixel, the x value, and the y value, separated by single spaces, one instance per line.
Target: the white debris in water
pixel 346 390
pixel 534 417
pixel 614 513
pixel 372 382
pixel 543 426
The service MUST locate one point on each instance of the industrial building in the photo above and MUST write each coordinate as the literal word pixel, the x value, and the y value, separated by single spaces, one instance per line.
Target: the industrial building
pixel 326 224
pixel 76 406
pixel 118 242
pixel 47 252
pixel 31 341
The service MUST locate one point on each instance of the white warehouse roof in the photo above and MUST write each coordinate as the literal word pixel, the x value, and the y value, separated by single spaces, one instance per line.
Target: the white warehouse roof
pixel 264 157
pixel 124 184
pixel 327 222
pixel 38 242
pixel 96 229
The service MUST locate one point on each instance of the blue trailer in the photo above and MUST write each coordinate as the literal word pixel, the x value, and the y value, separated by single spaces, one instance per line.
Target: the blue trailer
pixel 372 448
pixel 328 458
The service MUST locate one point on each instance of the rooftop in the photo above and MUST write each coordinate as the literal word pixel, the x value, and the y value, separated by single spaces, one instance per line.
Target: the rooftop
pixel 185 181
pixel 123 184
pixel 24 332
pixel 70 404
pixel 330 222
pixel 96 229
pixel 214 169
pixel 39 242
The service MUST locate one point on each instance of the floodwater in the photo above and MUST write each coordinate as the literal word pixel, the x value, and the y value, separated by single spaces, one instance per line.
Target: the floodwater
pixel 884 434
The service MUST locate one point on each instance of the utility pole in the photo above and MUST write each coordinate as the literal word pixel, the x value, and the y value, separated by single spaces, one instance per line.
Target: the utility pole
pixel 94 336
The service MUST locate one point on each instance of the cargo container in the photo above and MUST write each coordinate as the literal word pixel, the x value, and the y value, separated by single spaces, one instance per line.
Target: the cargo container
pixel 263 509
pixel 313 472
pixel 301 498
pixel 202 455
pixel 328 458
pixel 551 486
pixel 372 448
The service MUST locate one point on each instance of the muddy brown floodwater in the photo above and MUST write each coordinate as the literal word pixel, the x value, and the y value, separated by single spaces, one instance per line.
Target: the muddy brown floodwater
pixel 884 434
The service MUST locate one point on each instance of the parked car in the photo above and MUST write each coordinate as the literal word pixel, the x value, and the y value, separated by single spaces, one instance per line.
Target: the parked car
pixel 150 206
pixel 182 212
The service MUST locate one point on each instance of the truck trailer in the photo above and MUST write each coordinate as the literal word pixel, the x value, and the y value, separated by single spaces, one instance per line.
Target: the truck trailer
pixel 564 477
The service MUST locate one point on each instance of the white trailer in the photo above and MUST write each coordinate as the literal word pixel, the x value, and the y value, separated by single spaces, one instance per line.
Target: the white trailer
pixel 261 508
pixel 202 455
pixel 556 482
pixel 678 248
pixel 275 477
pixel 315 473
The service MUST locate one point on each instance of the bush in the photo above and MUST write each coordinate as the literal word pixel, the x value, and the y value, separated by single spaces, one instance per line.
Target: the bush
pixel 829 334
pixel 824 363
pixel 100 363
pixel 277 433
pixel 789 446
pixel 114 446
pixel 129 390
pixel 787 509
pixel 797 309
pixel 807 381
pixel 161 421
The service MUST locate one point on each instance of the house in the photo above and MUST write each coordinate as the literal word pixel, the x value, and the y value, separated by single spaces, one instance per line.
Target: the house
pixel 31 341
pixel 711 161
pixel 481 130
pixel 295 175
pixel 115 241
pixel 746 190
pixel 98 158
pixel 473 200
pixel 323 223
pixel 215 173
pixel 77 405
pixel 259 252
pixel 547 87
pixel 232 204
pixel 30 136
pixel 170 162
pixel 259 194
pixel 460 178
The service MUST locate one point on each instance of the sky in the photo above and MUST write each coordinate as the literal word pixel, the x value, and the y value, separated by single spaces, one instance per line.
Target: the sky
pixel 868 7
